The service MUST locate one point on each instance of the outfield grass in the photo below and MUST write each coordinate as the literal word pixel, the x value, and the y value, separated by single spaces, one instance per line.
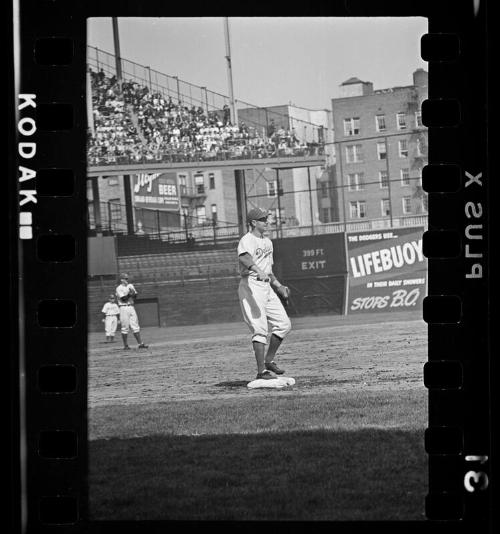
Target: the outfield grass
pixel 176 434
pixel 264 411
pixel 319 475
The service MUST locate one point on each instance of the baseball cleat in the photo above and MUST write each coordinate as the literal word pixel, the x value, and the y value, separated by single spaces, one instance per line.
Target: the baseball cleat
pixel 142 346
pixel 271 366
pixel 265 375
pixel 126 347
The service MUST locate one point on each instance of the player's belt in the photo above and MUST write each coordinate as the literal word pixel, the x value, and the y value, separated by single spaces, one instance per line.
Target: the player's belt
pixel 121 305
pixel 247 277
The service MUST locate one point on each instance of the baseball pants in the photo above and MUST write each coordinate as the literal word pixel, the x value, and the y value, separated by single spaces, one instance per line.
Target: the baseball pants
pixel 261 307
pixel 110 323
pixel 128 319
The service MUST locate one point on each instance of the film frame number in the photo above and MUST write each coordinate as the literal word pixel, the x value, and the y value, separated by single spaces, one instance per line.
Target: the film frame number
pixel 476 480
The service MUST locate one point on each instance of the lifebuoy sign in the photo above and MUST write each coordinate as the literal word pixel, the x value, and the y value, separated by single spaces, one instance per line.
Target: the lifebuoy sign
pixel 387 270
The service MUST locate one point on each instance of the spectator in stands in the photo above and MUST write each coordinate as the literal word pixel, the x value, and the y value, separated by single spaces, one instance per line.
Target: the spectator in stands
pixel 227 114
pixel 140 229
pixel 271 128
pixel 190 240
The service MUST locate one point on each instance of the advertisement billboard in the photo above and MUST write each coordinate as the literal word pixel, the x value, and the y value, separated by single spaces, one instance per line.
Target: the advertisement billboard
pixel 310 256
pixel 156 191
pixel 387 270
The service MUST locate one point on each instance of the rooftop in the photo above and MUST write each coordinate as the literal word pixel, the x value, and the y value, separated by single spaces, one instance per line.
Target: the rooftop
pixel 352 81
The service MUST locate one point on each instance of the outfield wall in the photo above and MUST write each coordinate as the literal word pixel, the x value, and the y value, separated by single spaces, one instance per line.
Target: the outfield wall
pixel 336 274
pixel 211 301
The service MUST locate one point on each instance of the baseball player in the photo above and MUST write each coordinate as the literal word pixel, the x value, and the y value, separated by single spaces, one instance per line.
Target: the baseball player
pixel 260 304
pixel 111 312
pixel 126 295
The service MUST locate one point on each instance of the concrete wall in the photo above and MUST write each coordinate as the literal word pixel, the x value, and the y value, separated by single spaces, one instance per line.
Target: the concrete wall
pixel 195 302
pixel 203 302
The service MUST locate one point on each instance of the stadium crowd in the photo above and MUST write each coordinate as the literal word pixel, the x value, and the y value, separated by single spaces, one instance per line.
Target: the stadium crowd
pixel 138 125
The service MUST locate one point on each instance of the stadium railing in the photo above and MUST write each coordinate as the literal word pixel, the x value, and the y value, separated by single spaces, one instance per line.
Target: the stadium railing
pixel 225 155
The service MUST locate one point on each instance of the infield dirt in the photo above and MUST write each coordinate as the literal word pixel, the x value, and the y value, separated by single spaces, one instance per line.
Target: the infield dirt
pixel 324 354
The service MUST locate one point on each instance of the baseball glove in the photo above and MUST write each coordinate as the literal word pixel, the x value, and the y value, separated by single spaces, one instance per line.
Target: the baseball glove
pixel 283 293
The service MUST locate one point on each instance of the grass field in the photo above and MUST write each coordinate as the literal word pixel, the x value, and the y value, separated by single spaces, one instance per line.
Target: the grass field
pixel 176 434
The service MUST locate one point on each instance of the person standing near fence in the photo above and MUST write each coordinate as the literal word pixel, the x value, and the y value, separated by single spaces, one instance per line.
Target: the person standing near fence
pixel 126 295
pixel 111 312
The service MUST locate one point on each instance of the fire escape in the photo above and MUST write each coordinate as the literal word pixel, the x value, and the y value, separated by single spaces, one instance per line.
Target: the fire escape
pixel 191 198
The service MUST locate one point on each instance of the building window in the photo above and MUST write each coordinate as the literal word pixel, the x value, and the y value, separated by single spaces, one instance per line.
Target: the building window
pixel 115 211
pixel 406 205
pixel 90 192
pixel 425 203
pixel 325 214
pixel 357 209
pixel 324 189
pixel 355 181
pixel 418 119
pixel 214 212
pixel 182 183
pixel 211 179
pixel 401 121
pixel 279 215
pixel 351 126
pixel 200 214
pixel 383 178
pixel 381 150
pixel 403 148
pixel 353 153
pixel 199 183
pixel 386 207
pixel 405 177
pixel 380 123
pixel 271 188
pixel 90 216
pixel 420 147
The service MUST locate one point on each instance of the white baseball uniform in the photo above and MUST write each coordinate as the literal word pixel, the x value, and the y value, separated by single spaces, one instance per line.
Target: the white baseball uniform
pixel 259 303
pixel 128 315
pixel 110 321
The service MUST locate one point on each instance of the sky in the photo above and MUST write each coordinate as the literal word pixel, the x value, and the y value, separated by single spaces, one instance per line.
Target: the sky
pixel 275 61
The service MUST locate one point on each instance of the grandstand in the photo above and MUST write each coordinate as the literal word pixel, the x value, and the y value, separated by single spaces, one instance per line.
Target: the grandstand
pixel 146 120
pixel 180 266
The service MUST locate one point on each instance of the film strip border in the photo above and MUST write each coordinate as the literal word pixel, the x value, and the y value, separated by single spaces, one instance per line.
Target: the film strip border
pixel 51 166
pixel 456 309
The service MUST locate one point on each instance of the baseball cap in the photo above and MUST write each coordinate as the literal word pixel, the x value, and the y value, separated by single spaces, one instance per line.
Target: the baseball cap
pixel 123 275
pixel 256 214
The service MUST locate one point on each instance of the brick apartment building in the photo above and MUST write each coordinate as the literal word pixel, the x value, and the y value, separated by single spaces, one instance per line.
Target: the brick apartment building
pixel 380 150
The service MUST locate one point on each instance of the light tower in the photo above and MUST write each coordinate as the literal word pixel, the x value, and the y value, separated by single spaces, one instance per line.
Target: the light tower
pixel 229 70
